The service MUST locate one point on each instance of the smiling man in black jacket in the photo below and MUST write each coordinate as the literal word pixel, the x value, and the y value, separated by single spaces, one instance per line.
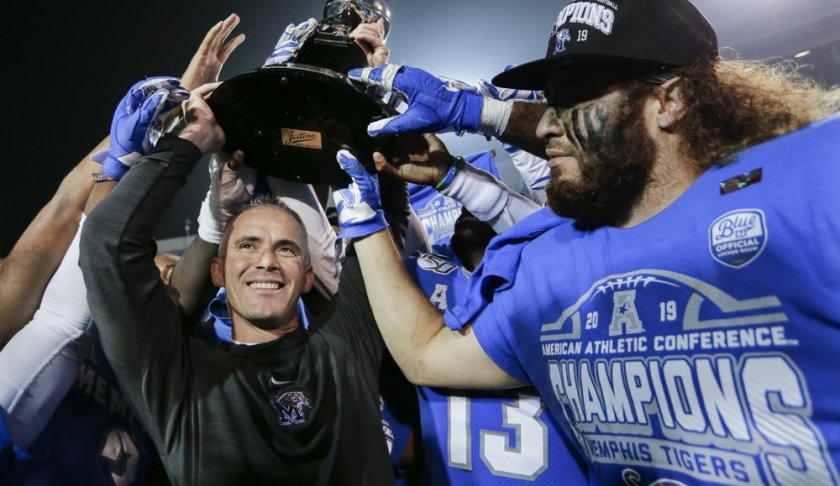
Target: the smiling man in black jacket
pixel 284 404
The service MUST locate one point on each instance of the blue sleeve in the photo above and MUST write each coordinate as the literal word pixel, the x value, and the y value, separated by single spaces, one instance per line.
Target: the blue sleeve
pixel 497 340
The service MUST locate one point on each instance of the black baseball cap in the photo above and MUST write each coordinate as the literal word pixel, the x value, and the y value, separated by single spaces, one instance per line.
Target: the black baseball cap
pixel 597 43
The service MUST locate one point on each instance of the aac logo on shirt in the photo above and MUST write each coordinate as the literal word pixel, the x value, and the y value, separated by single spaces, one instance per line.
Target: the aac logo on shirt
pixel 738 237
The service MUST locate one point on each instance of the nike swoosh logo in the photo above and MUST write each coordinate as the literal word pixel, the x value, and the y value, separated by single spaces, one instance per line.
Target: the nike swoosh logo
pixel 275 382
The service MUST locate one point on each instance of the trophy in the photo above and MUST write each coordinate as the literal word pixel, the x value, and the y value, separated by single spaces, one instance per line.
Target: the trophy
pixel 291 119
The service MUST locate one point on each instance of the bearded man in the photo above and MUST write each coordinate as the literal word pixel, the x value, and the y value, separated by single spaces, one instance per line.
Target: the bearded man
pixel 675 306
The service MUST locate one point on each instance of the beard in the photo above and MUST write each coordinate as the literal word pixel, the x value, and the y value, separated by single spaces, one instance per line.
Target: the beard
pixel 615 167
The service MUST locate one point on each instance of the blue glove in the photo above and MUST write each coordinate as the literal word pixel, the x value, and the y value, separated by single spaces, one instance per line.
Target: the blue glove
pixel 290 42
pixel 138 122
pixel 359 205
pixel 434 104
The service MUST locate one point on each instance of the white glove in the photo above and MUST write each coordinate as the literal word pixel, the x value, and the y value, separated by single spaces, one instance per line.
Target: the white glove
pixel 507 94
pixel 290 42
pixel 227 186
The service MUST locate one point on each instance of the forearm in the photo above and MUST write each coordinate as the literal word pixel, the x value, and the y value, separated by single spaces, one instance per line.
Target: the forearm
pixel 28 268
pixel 413 330
pixel 41 362
pixel 135 317
pixel 489 199
pixel 394 193
pixel 191 279
pixel 406 319
pixel 427 352
pixel 521 129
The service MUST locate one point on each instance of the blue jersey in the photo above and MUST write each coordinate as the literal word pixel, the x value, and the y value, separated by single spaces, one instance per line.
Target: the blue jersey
pixel 92 438
pixel 438 212
pixel 698 347
pixel 477 437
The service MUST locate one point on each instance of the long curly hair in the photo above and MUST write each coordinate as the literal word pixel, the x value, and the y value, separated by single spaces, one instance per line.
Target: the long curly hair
pixel 735 104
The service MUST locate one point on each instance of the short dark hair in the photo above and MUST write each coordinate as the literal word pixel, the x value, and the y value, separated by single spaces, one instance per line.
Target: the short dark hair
pixel 261 201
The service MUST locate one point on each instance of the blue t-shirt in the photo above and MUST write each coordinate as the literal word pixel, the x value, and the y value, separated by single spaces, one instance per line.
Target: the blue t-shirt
pixel 699 346
pixel 438 212
pixel 92 438
pixel 492 437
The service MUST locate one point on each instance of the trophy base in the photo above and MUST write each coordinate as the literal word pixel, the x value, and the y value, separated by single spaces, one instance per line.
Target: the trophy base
pixel 291 119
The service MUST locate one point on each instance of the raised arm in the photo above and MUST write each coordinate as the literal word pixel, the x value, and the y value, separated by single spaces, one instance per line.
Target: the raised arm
pixel 230 183
pixel 212 53
pixel 486 197
pixel 437 105
pixel 138 323
pixel 41 362
pixel 30 265
pixel 190 277
pixel 428 352
pixel 370 37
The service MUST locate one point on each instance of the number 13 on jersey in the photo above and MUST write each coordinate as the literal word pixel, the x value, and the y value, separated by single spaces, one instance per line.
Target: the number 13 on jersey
pixel 518 449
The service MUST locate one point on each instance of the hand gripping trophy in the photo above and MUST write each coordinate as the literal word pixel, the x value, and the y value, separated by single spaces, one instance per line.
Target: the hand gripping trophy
pixel 294 113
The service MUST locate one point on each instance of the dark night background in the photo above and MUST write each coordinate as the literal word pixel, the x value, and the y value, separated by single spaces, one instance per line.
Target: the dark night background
pixel 66 65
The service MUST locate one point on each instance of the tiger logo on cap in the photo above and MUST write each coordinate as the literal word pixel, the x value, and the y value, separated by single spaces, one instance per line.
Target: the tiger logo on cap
pixel 560 38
